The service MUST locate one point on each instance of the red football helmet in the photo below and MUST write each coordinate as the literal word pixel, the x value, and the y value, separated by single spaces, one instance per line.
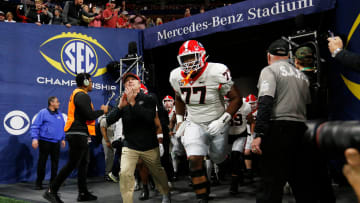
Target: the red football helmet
pixel 168 98
pixel 191 49
pixel 144 88
pixel 251 98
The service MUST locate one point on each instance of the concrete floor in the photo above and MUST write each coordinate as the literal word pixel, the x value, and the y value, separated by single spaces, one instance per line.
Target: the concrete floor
pixel 108 192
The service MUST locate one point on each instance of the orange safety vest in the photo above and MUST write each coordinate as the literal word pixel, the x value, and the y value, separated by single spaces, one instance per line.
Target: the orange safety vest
pixel 71 112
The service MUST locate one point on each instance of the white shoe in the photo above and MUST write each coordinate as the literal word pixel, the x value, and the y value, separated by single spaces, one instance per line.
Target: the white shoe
pixel 166 198
pixel 113 178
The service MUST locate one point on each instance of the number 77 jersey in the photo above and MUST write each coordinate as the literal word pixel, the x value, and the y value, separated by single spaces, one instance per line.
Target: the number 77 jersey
pixel 204 94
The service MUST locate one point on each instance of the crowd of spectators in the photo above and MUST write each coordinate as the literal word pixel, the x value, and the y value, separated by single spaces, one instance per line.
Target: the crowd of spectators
pixel 112 14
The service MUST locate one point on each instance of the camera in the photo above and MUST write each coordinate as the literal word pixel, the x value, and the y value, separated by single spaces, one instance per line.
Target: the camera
pixel 332 138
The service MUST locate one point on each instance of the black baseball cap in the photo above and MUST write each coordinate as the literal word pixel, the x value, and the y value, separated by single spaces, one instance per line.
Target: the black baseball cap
pixel 279 48
pixel 130 75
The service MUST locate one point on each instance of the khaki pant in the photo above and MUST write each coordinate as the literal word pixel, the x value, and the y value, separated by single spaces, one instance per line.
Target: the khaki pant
pixel 151 159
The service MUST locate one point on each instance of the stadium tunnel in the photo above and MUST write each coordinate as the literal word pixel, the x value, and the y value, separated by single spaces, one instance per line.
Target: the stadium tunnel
pixel 242 50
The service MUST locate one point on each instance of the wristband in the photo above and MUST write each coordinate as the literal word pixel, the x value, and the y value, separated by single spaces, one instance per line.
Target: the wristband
pixel 160 135
pixel 336 52
pixel 179 118
pixel 256 135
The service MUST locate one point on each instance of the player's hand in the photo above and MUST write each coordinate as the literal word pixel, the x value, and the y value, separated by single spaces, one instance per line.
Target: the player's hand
pixel 255 146
pixel 108 144
pixel 171 133
pixel 68 25
pixel 35 144
pixel 216 126
pixel 63 143
pixel 161 149
pixel 105 108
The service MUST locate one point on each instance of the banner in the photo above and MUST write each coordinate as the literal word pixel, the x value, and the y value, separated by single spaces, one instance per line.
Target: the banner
pixel 41 61
pixel 239 15
pixel 345 83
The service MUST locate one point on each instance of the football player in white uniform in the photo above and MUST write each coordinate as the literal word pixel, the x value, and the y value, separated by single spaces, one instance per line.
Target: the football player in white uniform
pixel 176 148
pixel 238 134
pixel 252 100
pixel 200 86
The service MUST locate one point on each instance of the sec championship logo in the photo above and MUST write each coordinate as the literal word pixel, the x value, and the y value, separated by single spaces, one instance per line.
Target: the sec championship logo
pixel 78 53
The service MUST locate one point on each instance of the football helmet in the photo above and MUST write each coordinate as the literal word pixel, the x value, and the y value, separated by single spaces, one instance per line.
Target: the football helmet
pixel 251 99
pixel 168 102
pixel 191 49
pixel 144 88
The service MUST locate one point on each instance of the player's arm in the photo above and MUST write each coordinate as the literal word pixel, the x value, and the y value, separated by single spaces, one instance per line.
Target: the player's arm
pixel 235 100
pixel 180 108
pixel 172 123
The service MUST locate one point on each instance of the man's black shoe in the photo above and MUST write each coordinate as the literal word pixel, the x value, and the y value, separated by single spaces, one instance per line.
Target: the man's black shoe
pixel 86 196
pixel 52 197
pixel 144 193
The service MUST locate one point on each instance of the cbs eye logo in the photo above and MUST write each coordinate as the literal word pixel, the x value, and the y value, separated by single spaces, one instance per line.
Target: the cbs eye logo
pixel 78 53
pixel 16 122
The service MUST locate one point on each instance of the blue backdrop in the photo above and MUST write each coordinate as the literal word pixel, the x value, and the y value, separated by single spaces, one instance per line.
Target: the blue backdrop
pixel 239 15
pixel 38 62
pixel 345 83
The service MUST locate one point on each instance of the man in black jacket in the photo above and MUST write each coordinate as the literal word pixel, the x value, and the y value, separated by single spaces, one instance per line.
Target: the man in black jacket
pixel 141 124
pixel 79 125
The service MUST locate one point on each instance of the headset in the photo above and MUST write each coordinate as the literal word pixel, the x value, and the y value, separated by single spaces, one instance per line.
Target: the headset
pixel 86 81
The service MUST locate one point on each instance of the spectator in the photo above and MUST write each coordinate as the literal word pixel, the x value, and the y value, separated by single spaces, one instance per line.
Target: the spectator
pixel 123 20
pixel 110 15
pixel 159 21
pixel 57 19
pixel 72 13
pixel 137 21
pixel 85 20
pixel 38 15
pixel 187 12
pixel 202 9
pixel 97 20
pixel 150 23
pixel 20 13
pixel 10 18
pixel 2 16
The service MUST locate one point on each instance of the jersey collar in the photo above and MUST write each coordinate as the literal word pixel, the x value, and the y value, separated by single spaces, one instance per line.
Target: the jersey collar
pixel 192 80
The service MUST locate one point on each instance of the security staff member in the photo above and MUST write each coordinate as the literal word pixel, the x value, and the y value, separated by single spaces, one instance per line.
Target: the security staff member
pixel 47 133
pixel 143 133
pixel 279 128
pixel 79 125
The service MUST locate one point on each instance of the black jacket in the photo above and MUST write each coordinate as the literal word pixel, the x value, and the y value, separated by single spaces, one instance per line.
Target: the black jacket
pixel 349 59
pixel 138 122
pixel 83 112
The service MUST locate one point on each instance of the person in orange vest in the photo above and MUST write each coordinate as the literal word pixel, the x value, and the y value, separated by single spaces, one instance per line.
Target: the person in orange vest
pixel 79 126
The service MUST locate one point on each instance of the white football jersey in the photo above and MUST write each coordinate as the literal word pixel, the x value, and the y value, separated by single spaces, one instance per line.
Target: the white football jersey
pixel 238 122
pixel 204 94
